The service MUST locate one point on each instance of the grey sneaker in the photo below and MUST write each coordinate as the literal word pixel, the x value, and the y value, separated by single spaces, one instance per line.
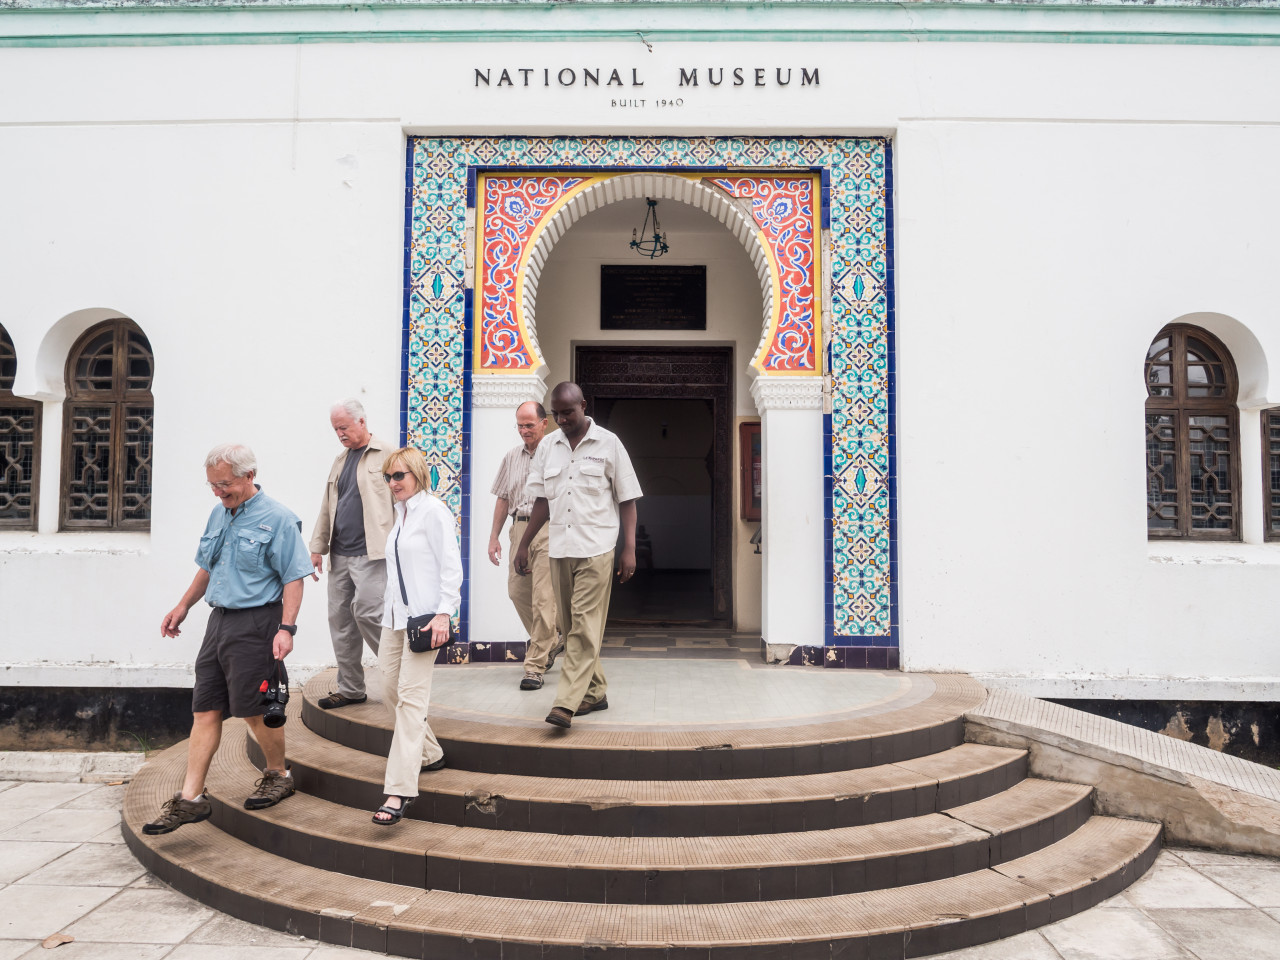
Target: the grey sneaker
pixel 177 812
pixel 270 790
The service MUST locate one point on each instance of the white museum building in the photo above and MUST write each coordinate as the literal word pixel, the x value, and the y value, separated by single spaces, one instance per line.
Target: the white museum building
pixel 957 358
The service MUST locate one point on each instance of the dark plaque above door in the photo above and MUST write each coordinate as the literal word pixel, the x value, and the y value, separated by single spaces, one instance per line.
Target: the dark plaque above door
pixel 653 297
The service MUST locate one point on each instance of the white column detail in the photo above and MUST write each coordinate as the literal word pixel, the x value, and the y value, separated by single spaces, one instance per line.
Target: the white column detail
pixel 791 508
pixel 494 398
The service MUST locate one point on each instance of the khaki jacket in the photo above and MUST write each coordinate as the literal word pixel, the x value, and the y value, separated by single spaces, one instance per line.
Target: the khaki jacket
pixel 379 517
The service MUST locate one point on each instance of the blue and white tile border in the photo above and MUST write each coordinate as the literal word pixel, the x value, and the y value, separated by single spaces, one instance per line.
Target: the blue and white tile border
pixel 861 622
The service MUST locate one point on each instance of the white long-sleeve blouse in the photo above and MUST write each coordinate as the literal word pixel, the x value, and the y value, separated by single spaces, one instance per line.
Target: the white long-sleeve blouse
pixel 424 534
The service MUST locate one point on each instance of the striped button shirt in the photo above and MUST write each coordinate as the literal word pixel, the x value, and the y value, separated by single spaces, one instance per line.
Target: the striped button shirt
pixel 510 482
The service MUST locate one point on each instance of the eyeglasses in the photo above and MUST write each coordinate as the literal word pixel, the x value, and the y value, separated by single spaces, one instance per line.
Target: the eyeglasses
pixel 397 476
pixel 222 486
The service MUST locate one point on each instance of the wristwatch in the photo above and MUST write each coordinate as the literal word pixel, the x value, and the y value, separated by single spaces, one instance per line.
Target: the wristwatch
pixel 290 628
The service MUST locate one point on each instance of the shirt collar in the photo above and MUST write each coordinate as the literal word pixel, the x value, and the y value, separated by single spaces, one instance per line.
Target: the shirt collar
pixel 561 438
pixel 413 503
pixel 248 507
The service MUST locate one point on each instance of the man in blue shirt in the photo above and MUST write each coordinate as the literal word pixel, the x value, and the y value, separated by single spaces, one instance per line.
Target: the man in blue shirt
pixel 252 563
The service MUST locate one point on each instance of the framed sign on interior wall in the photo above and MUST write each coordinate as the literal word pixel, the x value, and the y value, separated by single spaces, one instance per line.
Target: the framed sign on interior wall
pixel 749 445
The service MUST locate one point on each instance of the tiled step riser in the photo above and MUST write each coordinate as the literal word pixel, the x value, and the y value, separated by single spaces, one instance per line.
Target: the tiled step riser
pixel 625 819
pixel 671 886
pixel 567 759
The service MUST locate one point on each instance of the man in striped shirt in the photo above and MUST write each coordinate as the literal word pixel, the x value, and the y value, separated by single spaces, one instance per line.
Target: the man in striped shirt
pixel 533 595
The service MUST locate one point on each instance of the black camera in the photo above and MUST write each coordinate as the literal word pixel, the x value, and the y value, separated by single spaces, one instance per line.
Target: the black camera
pixel 275 697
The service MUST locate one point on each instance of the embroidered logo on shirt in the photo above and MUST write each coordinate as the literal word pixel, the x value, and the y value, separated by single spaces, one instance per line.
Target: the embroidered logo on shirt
pixel 596 459
pixel 263 526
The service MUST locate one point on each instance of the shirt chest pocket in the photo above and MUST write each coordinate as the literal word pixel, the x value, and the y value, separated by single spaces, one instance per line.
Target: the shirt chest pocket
pixel 593 478
pixel 553 479
pixel 251 551
pixel 210 550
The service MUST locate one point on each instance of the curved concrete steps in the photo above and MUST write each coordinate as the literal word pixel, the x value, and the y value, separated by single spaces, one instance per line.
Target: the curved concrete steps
pixel 664 808
pixel 1091 864
pixel 618 869
pixel 926 721
pixel 819 852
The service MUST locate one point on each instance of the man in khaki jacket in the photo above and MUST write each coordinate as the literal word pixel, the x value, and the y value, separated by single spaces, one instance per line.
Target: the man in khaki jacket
pixel 355 519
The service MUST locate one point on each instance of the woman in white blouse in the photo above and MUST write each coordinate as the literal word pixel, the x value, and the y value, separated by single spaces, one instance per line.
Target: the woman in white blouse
pixel 422 554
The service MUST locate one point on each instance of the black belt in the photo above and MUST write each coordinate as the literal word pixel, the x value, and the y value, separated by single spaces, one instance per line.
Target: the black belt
pixel 525 518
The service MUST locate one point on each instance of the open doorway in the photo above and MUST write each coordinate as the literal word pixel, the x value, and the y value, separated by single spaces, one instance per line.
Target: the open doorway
pixel 672 409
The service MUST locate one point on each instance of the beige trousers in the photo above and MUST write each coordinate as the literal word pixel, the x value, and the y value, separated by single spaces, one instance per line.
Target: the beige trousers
pixel 533 596
pixel 583 586
pixel 406 678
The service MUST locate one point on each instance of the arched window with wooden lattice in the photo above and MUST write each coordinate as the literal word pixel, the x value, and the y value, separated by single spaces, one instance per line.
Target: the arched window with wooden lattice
pixel 108 427
pixel 1193 437
pixel 19 447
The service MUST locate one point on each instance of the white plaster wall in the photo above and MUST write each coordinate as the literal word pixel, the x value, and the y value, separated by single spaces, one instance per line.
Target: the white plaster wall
pixel 1056 205
pixel 262 307
pixel 1036 264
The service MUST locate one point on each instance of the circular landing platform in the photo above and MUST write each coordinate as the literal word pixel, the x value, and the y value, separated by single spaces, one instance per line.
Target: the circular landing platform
pixel 685 694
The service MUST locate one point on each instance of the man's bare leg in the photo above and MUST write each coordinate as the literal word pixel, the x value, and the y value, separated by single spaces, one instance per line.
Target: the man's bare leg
pixel 206 734
pixel 271 740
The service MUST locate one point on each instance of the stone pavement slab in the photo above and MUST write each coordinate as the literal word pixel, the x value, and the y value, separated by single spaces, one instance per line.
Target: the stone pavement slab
pixel 100 951
pixel 170 918
pixel 1115 934
pixel 31 911
pixel 1224 934
pixel 1258 883
pixel 90 864
pixel 1173 884
pixel 63 825
pixel 21 857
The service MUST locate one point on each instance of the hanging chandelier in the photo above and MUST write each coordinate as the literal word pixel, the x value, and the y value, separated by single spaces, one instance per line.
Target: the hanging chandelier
pixel 653 245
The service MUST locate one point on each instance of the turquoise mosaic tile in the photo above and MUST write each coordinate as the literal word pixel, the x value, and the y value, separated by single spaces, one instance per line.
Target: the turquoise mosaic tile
pixel 861 591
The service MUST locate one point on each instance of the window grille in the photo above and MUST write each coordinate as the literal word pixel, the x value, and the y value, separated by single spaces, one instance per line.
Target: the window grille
pixel 1271 472
pixel 1193 459
pixel 19 447
pixel 108 429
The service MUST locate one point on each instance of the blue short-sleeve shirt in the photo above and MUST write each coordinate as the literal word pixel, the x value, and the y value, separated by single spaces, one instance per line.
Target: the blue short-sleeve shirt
pixel 251 556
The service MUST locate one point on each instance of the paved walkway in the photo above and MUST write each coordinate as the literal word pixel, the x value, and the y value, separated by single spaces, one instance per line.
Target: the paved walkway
pixel 64 868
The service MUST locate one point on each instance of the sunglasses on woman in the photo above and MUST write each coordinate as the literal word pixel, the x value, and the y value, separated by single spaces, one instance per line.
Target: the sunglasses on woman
pixel 397 476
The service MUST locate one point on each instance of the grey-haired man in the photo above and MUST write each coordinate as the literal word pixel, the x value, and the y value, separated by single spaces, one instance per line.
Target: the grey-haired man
pixel 252 563
pixel 355 518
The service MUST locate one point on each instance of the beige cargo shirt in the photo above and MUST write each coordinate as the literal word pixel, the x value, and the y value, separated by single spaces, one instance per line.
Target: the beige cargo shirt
pixel 583 488
pixel 375 500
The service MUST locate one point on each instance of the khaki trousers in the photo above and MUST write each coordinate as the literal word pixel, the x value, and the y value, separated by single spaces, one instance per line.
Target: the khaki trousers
pixel 583 586
pixel 356 588
pixel 406 678
pixel 533 596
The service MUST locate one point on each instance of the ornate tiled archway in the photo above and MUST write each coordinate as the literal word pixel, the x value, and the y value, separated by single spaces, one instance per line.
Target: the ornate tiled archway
pixel 446 330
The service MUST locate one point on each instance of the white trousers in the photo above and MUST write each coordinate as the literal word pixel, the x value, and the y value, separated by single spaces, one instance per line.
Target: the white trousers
pixel 406 678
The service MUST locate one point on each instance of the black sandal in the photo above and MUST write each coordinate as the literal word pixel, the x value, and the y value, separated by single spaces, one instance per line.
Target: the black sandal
pixel 394 813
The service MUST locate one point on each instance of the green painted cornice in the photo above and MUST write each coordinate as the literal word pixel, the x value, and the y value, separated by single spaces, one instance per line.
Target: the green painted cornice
pixel 180 22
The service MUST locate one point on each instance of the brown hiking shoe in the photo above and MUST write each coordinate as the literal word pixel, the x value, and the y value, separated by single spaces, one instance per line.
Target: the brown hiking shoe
pixel 270 790
pixel 177 812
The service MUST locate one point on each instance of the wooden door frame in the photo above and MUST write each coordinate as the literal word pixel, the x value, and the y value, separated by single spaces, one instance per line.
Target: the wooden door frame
pixel 666 372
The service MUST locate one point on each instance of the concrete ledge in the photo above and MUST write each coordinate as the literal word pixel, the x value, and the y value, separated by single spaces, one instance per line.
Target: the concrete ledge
pixel 1202 797
pixel 69 767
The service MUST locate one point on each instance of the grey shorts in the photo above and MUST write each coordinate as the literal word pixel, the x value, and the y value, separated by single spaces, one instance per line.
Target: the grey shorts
pixel 234 660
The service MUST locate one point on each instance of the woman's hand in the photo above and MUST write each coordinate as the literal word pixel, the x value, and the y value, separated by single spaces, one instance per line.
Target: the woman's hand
pixel 439 630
